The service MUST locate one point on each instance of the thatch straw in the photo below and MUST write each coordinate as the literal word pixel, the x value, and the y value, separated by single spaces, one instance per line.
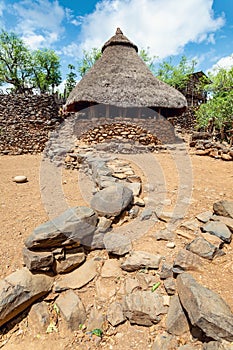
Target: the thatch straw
pixel 121 78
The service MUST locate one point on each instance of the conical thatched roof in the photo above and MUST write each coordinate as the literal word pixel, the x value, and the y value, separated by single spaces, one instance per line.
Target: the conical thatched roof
pixel 121 78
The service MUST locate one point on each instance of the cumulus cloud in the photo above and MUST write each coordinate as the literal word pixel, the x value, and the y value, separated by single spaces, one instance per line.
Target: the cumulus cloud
pixel 225 62
pixel 39 21
pixel 163 26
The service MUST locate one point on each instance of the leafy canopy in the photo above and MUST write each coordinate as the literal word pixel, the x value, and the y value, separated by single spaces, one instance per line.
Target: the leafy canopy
pixel 25 69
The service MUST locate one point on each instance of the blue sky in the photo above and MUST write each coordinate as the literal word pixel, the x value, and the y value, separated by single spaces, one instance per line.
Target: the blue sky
pixel 200 29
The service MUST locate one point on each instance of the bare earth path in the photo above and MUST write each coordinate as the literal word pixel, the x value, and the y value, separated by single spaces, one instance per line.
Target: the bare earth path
pixel 21 210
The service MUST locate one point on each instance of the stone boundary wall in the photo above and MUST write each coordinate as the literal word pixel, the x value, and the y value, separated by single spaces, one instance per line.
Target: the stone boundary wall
pixel 25 122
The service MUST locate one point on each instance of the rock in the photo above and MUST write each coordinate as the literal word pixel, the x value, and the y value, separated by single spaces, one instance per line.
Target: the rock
pixel 117 244
pixel 170 245
pixel 203 248
pixel 205 308
pixel 70 262
pixel 216 241
pixel 170 286
pixel 133 212
pixel 104 224
pixel 111 268
pixel 20 290
pixel 204 217
pixel 131 284
pixel 176 322
pixel 165 341
pixel 166 271
pixel 146 214
pixel 115 314
pixel 71 227
pixel 36 261
pixel 217 345
pixel 135 187
pixel 201 152
pixel 191 225
pixel 20 179
pixel 225 220
pixel 72 309
pixel 165 235
pixel 94 241
pixel 104 289
pixel 96 320
pixel 188 347
pixel 77 278
pixel 226 157
pixel 224 208
pixel 218 229
pixel 102 202
pixel 38 318
pixel 138 201
pixel 185 261
pixel 143 308
pixel 140 260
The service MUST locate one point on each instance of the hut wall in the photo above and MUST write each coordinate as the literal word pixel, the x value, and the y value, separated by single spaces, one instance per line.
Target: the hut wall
pixel 25 122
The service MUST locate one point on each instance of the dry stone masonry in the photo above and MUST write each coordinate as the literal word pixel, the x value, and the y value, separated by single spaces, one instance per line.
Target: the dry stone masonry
pixel 25 122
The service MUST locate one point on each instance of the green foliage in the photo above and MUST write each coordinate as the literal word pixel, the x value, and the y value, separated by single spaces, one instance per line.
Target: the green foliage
pixel 220 106
pixel 46 69
pixel 70 79
pixel 176 75
pixel 15 61
pixel 149 61
pixel 88 60
pixel 24 69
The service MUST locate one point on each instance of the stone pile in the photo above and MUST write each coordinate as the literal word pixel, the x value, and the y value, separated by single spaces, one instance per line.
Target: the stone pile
pixel 157 125
pixel 25 122
pixel 126 284
pixel 119 131
pixel 205 146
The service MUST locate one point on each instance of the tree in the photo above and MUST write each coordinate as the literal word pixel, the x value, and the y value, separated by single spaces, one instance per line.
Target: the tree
pixel 46 70
pixel 176 75
pixel 88 60
pixel 220 106
pixel 70 79
pixel 15 62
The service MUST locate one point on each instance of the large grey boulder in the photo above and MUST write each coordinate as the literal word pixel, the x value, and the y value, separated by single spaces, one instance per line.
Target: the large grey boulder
pixel 205 308
pixel 20 290
pixel 224 208
pixel 112 200
pixel 143 308
pixel 203 248
pixel 71 227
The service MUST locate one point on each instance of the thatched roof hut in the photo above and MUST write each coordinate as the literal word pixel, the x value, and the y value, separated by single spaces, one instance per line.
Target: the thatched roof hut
pixel 121 78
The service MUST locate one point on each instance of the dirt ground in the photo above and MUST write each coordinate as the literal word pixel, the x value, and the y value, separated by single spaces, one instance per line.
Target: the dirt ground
pixel 21 210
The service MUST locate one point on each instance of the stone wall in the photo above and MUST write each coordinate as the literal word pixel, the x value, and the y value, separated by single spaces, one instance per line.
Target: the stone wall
pixel 25 122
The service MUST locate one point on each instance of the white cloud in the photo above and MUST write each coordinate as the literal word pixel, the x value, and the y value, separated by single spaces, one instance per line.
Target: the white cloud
pixel 164 26
pixel 71 50
pixel 39 21
pixel 224 62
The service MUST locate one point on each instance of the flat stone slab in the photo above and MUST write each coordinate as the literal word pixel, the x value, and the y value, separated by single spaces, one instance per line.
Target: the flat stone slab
pixel 111 201
pixel 205 216
pixel 218 229
pixel 203 248
pixel 117 244
pixel 186 261
pixel 71 227
pixel 205 308
pixel 143 308
pixel 139 260
pixel 71 309
pixel 77 278
pixel 176 322
pixel 225 220
pixel 20 290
